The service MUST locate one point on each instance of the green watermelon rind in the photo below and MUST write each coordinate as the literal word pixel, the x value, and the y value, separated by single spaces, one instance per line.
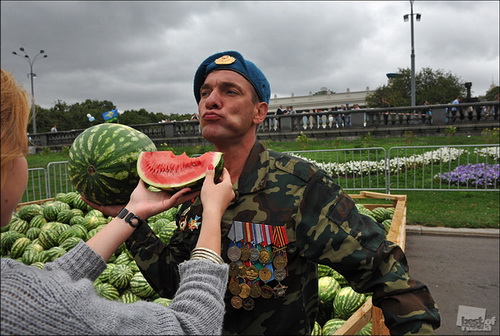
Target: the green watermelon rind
pixel 328 288
pixel 331 326
pixel 120 276
pixel 346 302
pixel 102 163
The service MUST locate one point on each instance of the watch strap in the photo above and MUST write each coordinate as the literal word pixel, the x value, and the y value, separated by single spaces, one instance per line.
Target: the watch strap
pixel 129 217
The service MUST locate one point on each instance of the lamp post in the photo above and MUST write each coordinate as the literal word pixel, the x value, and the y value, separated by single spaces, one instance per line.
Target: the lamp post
pixel 32 75
pixel 417 16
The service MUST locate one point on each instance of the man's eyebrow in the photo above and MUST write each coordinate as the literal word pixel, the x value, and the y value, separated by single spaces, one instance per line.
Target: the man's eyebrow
pixel 225 84
pixel 204 86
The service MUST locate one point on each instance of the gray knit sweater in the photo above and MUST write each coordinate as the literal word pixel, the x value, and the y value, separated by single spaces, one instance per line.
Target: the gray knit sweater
pixel 60 299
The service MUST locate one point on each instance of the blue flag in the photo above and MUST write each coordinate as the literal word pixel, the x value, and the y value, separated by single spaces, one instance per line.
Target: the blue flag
pixel 110 116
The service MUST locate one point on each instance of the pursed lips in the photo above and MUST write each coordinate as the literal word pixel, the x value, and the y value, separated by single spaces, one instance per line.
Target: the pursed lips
pixel 211 116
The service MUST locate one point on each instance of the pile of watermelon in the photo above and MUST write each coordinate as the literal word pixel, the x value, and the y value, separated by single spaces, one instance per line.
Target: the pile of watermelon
pixel 381 215
pixel 40 233
pixel 338 301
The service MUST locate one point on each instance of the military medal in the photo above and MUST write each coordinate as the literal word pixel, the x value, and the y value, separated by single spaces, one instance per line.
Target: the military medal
pixel 266 291
pixel 245 254
pixel 252 273
pixel 265 274
pixel 248 304
pixel 279 262
pixel 233 269
pixel 234 287
pixel 279 290
pixel 242 271
pixel 183 219
pixel 255 290
pixel 236 302
pixel 257 239
pixel 254 254
pixel 245 291
pixel 257 253
pixel 264 256
pixel 235 234
pixel 234 253
pixel 194 223
pixel 280 274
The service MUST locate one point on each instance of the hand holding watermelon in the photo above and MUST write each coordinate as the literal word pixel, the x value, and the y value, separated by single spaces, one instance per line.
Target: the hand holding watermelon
pixel 146 202
pixel 215 197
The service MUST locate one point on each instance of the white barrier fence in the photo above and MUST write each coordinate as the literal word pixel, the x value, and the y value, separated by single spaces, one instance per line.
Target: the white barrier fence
pixel 433 168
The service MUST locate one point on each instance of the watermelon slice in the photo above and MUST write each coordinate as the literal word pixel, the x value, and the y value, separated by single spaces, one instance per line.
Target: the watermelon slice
pixel 167 171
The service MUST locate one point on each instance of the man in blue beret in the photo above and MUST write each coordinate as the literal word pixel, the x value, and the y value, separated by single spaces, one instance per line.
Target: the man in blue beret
pixel 288 216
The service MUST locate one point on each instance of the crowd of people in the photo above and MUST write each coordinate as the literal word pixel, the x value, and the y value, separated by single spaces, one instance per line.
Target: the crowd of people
pixel 470 113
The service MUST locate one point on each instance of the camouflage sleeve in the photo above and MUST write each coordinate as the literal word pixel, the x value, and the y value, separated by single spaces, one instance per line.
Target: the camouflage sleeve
pixel 332 232
pixel 155 260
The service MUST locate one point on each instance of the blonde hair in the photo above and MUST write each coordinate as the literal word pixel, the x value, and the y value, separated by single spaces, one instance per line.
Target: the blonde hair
pixel 15 114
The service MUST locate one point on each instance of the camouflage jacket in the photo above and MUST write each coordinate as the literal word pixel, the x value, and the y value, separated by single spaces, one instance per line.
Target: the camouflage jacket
pixel 296 216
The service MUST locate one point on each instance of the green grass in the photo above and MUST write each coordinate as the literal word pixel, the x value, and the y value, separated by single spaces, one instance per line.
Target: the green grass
pixel 457 209
pixel 465 209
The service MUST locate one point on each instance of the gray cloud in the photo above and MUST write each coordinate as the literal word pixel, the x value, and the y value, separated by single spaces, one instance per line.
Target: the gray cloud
pixel 144 54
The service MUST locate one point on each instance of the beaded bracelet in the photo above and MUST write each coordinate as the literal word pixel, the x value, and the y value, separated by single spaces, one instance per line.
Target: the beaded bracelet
pixel 205 253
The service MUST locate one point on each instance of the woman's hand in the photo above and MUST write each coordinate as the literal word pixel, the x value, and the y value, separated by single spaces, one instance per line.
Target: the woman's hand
pixel 108 210
pixel 216 195
pixel 146 203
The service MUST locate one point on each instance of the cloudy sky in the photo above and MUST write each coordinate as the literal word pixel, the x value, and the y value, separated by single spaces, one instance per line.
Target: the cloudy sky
pixel 143 54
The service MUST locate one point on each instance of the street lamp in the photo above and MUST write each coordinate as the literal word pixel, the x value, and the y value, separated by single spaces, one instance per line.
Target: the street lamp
pixel 417 16
pixel 32 75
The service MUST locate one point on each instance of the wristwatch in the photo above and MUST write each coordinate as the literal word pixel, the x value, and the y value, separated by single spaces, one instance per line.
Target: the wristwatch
pixel 130 218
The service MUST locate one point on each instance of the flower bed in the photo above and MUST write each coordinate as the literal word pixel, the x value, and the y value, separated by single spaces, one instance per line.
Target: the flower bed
pixel 360 168
pixel 481 175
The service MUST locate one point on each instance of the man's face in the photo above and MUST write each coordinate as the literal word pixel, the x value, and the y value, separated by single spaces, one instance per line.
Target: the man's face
pixel 227 110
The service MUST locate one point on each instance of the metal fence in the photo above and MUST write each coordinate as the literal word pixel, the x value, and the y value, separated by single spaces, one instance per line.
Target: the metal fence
pixel 353 169
pixel 458 168
pixel 432 168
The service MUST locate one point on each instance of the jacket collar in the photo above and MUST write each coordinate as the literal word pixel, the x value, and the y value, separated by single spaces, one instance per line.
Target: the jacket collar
pixel 255 172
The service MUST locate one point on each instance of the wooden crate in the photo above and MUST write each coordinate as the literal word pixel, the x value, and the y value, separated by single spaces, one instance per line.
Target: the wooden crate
pixel 20 205
pixel 397 234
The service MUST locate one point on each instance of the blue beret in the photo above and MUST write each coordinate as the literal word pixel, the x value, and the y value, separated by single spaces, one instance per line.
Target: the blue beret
pixel 234 61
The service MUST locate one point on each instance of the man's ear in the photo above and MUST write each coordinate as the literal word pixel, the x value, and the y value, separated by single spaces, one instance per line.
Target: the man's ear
pixel 261 112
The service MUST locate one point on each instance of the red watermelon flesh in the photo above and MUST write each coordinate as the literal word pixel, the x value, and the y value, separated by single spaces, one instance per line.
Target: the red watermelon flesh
pixel 167 171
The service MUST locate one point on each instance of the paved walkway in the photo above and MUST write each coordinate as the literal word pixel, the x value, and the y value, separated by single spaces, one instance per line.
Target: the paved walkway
pixel 419 229
pixel 461 268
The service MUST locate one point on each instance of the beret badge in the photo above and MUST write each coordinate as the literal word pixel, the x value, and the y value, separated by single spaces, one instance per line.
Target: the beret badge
pixel 226 59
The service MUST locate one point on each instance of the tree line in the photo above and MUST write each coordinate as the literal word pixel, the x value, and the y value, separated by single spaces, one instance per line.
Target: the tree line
pixel 75 116
pixel 431 86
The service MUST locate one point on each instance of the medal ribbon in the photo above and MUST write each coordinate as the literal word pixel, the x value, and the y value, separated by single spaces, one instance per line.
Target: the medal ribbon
pixel 266 234
pixel 248 232
pixel 280 237
pixel 257 234
pixel 238 231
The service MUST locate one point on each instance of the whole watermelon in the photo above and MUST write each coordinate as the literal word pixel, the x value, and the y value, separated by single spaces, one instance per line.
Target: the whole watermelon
pixel 102 162
pixel 327 289
pixel 346 302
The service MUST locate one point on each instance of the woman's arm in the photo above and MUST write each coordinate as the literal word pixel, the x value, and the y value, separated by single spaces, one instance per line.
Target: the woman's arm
pixel 144 204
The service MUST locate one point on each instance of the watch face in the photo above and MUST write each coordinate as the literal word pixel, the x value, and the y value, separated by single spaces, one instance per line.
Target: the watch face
pixel 133 220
